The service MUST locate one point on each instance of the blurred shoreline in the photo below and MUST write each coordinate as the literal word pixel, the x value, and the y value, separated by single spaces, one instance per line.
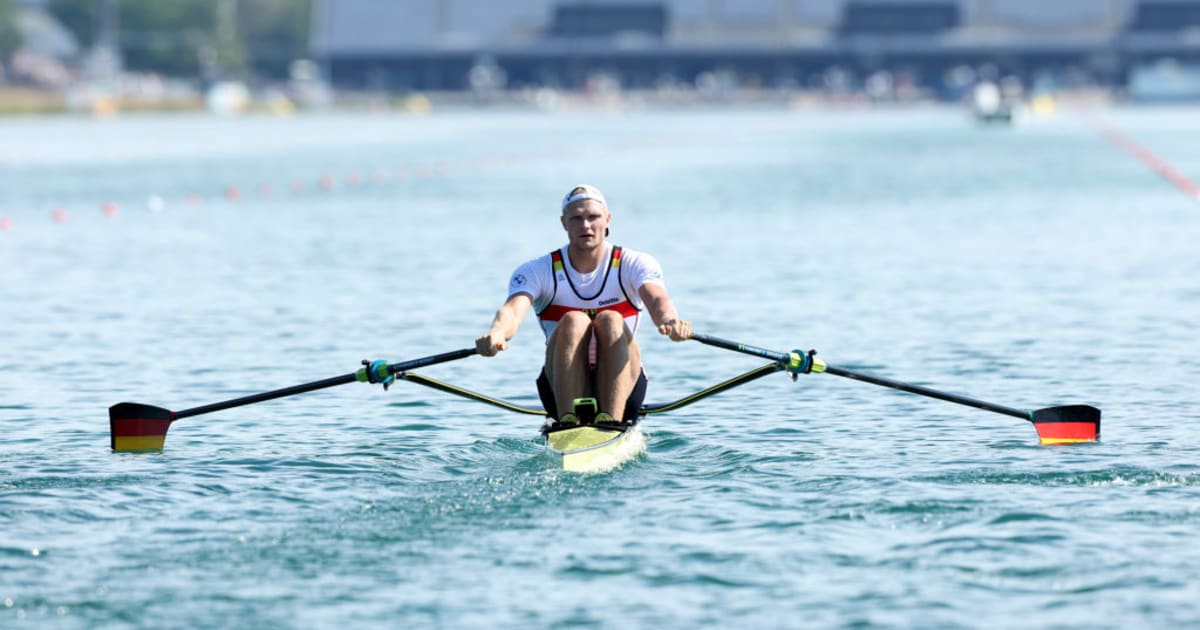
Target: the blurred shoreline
pixel 25 101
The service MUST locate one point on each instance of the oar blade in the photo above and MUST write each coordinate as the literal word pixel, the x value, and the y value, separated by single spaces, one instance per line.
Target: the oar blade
pixel 1068 424
pixel 138 428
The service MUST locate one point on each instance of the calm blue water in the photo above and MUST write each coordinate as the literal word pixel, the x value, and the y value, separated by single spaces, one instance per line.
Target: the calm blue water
pixel 1030 266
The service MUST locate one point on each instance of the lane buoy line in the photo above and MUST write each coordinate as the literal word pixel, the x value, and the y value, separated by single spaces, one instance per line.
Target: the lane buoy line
pixel 1147 157
pixel 331 183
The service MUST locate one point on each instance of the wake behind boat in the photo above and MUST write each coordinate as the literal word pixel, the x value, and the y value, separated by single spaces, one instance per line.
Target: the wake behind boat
pixel 589 445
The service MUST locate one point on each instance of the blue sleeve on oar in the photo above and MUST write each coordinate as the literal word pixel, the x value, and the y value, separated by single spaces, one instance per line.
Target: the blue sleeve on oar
pixel 800 362
pixel 377 372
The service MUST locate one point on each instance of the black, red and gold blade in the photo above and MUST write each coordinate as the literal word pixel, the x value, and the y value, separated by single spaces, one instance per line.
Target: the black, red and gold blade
pixel 1069 424
pixel 138 428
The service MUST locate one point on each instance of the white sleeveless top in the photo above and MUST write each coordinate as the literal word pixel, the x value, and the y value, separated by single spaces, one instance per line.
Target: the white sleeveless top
pixel 556 288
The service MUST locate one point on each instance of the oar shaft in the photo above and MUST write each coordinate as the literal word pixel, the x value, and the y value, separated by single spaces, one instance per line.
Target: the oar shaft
pixel 278 393
pixel 393 368
pixel 876 380
pixel 925 391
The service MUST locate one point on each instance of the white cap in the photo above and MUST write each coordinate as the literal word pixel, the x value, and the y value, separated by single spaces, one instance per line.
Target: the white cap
pixel 588 192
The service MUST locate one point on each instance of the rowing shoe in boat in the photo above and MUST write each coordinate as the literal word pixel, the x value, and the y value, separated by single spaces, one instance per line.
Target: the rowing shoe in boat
pixel 585 445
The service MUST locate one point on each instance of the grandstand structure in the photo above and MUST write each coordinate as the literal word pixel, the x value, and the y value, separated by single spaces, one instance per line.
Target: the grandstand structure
pixel 647 44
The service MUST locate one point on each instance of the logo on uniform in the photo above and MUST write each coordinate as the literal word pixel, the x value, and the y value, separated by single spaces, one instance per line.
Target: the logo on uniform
pixel 518 280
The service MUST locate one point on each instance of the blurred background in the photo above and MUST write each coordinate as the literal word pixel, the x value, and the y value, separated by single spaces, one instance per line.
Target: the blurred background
pixel 228 56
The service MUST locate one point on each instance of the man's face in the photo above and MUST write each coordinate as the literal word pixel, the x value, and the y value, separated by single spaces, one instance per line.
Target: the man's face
pixel 585 222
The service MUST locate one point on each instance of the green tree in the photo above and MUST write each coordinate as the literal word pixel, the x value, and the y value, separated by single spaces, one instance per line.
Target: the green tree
pixel 78 16
pixel 198 37
pixel 166 37
pixel 274 33
pixel 10 37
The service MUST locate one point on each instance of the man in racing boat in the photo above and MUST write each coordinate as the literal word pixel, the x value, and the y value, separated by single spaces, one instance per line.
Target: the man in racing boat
pixel 588 296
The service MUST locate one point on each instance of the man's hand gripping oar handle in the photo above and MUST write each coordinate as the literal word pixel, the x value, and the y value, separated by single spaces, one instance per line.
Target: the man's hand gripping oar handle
pixel 795 362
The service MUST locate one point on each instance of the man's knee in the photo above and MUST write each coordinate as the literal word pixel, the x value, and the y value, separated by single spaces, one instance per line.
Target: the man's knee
pixel 575 322
pixel 573 328
pixel 610 327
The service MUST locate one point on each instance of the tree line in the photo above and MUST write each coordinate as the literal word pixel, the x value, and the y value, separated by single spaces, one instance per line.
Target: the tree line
pixel 188 38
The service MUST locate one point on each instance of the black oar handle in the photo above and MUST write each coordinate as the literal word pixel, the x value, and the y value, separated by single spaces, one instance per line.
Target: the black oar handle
pixel 413 364
pixel 741 347
pixel 393 368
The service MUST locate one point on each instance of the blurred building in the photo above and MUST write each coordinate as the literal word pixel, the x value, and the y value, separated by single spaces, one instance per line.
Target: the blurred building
pixel 463 44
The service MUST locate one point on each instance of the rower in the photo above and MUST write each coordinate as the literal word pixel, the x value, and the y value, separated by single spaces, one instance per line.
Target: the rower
pixel 589 296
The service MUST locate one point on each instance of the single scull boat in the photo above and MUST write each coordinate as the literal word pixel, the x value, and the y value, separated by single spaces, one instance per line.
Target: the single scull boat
pixel 588 445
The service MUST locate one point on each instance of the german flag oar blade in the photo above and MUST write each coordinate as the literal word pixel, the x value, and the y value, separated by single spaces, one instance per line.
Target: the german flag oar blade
pixel 138 428
pixel 1069 424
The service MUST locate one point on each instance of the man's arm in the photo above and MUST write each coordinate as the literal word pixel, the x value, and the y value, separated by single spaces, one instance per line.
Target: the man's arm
pixel 662 311
pixel 504 325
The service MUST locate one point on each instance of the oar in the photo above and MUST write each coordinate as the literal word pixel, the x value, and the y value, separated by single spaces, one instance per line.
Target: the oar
pixel 1064 424
pixel 140 428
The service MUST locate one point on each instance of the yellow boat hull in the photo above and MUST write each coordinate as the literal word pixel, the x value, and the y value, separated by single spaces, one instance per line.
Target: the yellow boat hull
pixel 590 448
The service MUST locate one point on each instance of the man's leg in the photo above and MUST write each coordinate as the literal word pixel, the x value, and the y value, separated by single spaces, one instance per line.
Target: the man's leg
pixel 567 360
pixel 618 362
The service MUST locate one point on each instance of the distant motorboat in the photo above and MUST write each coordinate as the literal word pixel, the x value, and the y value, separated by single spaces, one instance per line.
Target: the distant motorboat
pixel 228 98
pixel 988 104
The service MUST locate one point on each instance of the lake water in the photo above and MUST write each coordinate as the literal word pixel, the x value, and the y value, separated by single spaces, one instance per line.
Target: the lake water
pixel 1028 266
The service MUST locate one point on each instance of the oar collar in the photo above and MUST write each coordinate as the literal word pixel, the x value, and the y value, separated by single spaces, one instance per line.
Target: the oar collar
pixel 801 362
